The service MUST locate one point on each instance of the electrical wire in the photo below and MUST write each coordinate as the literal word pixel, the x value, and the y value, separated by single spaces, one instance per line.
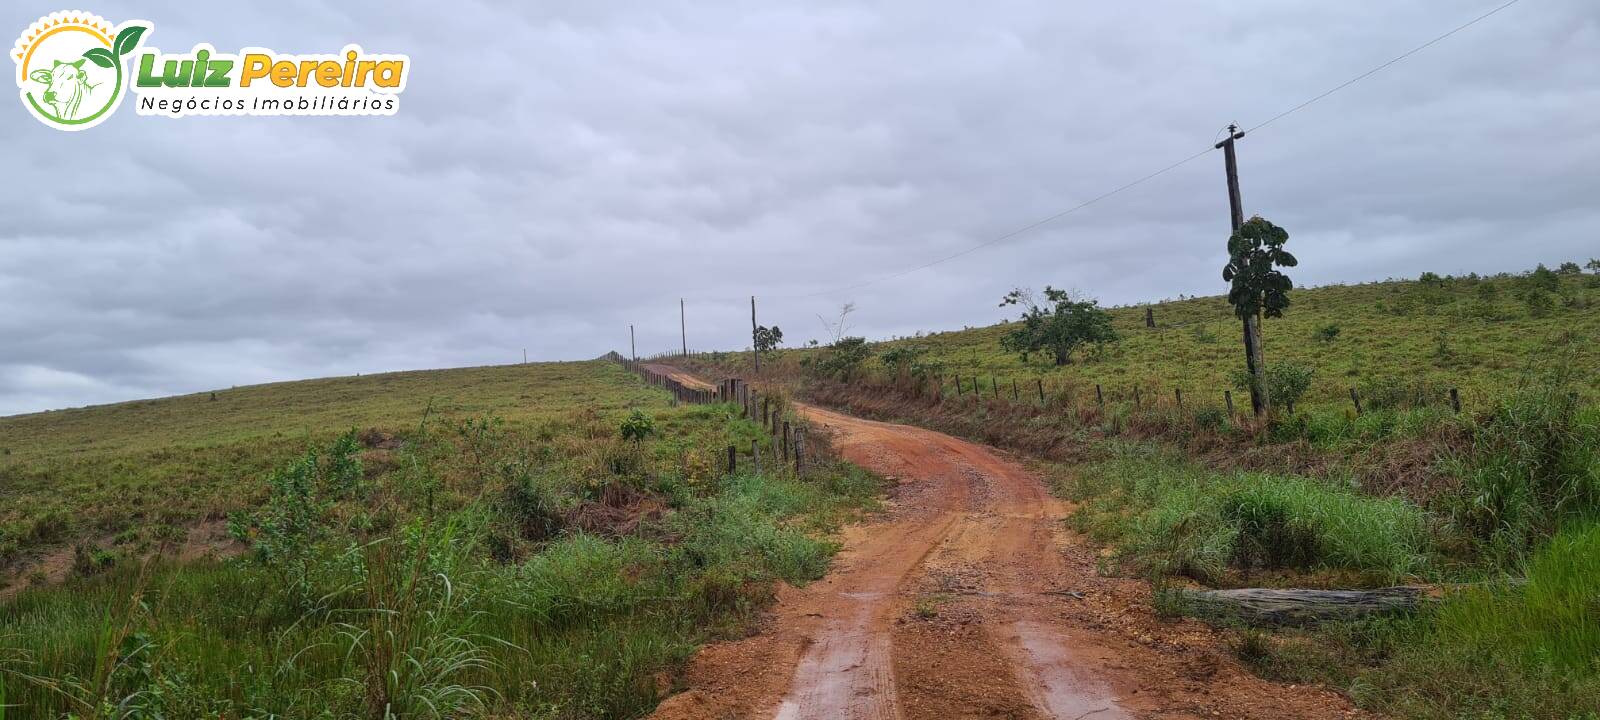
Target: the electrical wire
pixel 1151 176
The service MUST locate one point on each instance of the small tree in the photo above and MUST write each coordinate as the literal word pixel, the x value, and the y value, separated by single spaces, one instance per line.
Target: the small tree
pixel 845 357
pixel 768 339
pixel 637 427
pixel 1060 326
pixel 1258 289
pixel 1593 265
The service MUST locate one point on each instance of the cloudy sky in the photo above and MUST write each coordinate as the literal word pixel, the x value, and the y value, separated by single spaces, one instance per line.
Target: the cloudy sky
pixel 559 170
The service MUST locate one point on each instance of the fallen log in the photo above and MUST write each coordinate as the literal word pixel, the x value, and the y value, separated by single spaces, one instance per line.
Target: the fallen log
pixel 1266 606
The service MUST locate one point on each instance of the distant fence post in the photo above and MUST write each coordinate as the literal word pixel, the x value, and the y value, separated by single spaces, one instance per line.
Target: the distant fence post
pixel 786 441
pixel 1014 395
pixel 1136 396
pixel 799 450
pixel 1354 398
pixel 958 384
pixel 1178 393
pixel 1099 395
pixel 733 462
pixel 994 383
pixel 1040 382
pixel 1455 400
pixel 1227 396
pixel 1149 317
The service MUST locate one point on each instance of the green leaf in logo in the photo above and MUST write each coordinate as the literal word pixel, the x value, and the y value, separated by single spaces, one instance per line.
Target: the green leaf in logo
pixel 128 39
pixel 101 56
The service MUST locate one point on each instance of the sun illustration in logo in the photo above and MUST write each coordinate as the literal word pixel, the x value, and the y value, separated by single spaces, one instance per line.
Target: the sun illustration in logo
pixel 70 69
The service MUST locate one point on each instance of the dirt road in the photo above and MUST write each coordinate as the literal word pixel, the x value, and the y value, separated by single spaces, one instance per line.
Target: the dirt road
pixel 970 600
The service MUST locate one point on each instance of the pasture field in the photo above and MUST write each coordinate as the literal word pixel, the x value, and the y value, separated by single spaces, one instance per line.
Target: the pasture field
pixel 1386 339
pixel 139 473
pixel 479 542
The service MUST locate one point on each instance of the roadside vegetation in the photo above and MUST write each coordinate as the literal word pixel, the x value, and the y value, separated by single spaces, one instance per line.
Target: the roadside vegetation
pixel 552 543
pixel 1496 505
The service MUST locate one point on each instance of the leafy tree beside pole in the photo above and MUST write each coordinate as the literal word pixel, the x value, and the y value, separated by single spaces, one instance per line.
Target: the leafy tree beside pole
pixel 767 339
pixel 1259 290
pixel 1060 326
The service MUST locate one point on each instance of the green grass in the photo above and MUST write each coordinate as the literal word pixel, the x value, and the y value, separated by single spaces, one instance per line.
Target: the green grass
pixel 511 555
pixel 1398 341
pixel 135 474
pixel 1172 517
pixel 1493 651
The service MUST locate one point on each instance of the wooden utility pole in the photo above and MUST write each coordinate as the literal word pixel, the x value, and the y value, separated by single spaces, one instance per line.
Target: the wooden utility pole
pixel 683 327
pixel 633 348
pixel 1255 361
pixel 755 338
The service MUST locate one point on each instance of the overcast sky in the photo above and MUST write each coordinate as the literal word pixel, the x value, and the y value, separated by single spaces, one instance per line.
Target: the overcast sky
pixel 559 170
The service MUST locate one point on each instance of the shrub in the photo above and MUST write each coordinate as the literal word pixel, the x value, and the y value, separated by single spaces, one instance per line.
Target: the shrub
pixel 1540 303
pixel 1211 418
pixel 1542 278
pixel 298 515
pixel 1286 382
pixel 844 358
pixel 1569 268
pixel 1534 464
pixel 1327 333
pixel 637 427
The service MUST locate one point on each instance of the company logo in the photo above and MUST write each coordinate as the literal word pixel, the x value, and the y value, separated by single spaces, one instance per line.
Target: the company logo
pixel 72 68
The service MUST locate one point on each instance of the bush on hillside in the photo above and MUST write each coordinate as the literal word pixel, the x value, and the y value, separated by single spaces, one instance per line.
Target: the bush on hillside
pixel 1286 382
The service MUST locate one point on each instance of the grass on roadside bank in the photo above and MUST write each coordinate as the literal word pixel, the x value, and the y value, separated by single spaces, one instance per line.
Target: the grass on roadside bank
pixel 1168 516
pixel 470 568
pixel 1498 651
pixel 1520 638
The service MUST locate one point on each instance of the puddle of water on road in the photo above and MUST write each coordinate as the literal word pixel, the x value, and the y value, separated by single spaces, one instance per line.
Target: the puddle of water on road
pixel 1066 692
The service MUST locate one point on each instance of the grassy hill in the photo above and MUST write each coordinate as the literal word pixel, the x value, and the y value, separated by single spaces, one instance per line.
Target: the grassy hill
pixel 480 542
pixel 1476 334
pixel 132 473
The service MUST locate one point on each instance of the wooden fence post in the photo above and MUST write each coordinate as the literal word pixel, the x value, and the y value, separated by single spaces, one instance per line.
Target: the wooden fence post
pixel 1014 395
pixel 1357 400
pixel 1149 317
pixel 1455 400
pixel 786 441
pixel 799 450
pixel 1178 392
pixel 994 383
pixel 755 455
pixel 733 462
pixel 1136 396
pixel 1099 395
pixel 1227 396
pixel 1040 381
pixel 765 409
pixel 958 384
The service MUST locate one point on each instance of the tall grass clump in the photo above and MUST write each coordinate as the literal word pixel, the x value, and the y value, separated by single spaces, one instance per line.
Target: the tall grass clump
pixel 1506 650
pixel 1534 466
pixel 1176 518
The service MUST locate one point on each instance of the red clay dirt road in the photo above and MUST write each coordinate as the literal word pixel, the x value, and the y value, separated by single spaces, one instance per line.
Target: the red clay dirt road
pixel 969 599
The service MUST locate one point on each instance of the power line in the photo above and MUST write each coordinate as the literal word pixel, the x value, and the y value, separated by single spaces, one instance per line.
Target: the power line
pixel 1380 68
pixel 1151 176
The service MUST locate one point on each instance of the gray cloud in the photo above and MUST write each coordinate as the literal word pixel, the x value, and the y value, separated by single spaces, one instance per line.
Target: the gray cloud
pixel 560 170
